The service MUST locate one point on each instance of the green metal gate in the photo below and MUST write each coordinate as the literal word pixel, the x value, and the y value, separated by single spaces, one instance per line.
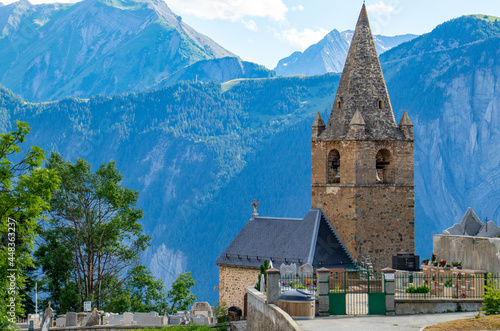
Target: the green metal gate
pixel 357 292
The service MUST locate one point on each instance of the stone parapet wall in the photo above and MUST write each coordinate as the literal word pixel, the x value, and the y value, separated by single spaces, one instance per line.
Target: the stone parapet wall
pixel 474 252
pixel 232 284
pixel 107 328
pixel 264 316
pixel 416 306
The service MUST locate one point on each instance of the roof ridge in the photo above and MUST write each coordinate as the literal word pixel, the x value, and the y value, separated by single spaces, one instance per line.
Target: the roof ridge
pixel 323 216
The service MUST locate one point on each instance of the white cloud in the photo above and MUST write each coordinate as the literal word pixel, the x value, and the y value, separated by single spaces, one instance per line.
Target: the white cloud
pixel 299 7
pixel 232 10
pixel 302 39
pixel 250 25
pixel 380 8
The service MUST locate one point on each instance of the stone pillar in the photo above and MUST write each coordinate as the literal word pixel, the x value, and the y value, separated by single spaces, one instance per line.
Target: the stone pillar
pixel 323 287
pixel 273 286
pixel 390 289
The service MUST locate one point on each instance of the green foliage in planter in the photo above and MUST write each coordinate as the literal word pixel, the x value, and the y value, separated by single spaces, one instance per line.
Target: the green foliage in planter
pixel 263 268
pixel 491 297
pixel 418 289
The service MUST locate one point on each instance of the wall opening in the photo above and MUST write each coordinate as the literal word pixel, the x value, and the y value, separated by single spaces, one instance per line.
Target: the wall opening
pixel 339 104
pixel 384 166
pixel 334 166
pixel 380 104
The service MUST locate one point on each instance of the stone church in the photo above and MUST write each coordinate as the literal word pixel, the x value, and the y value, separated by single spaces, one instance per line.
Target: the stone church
pixel 362 176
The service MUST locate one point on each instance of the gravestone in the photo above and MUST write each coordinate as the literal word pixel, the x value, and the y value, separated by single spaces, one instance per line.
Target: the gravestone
pixel 202 308
pixel 288 270
pixel 201 319
pixel 61 322
pixel 114 319
pixel 306 270
pixel 186 318
pixel 128 318
pixel 140 318
pixel 94 319
pixel 262 283
pixel 406 261
pixel 174 319
pixel 48 315
pixel 71 319
pixel 152 320
pixel 31 326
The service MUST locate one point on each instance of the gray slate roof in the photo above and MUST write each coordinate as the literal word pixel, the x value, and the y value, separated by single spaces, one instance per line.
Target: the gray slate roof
pixel 287 240
pixel 361 87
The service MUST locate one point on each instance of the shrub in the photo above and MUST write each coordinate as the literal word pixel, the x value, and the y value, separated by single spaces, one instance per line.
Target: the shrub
pixel 491 297
pixel 418 289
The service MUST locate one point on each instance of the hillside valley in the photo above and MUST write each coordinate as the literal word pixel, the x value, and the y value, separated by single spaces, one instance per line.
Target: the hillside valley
pixel 199 153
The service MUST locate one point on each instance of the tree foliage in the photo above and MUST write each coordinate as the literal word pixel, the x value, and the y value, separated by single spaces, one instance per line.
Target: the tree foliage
pixel 141 292
pixel 491 297
pixel 25 191
pixel 95 229
pixel 180 295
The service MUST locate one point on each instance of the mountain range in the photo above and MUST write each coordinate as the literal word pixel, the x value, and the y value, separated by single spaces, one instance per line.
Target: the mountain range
pixel 200 152
pixel 100 47
pixel 329 54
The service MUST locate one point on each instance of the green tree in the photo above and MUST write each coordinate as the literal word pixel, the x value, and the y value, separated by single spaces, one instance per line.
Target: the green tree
pixel 94 218
pixel 56 261
pixel 180 295
pixel 142 292
pixel 25 191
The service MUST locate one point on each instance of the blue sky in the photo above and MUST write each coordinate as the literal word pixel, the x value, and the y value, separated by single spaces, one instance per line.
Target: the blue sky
pixel 265 31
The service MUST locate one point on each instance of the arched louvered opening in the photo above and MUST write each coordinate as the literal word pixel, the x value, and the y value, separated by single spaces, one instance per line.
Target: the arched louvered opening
pixel 384 166
pixel 334 166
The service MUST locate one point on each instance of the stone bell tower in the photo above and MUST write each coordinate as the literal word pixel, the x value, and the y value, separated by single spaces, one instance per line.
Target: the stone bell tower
pixel 362 162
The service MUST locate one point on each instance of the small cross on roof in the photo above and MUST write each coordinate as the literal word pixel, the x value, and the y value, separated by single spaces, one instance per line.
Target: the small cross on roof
pixel 254 205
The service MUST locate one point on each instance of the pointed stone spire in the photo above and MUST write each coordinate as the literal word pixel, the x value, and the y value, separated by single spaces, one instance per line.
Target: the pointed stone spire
pixel 357 126
pixel 318 126
pixel 362 87
pixel 405 120
pixel 406 126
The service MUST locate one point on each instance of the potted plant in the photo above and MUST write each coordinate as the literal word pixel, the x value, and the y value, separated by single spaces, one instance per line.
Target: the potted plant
pixel 442 263
pixel 448 288
pixel 434 259
pixel 457 265
pixel 425 261
pixel 417 292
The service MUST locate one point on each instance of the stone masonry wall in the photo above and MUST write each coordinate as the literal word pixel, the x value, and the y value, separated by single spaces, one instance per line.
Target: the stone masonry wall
pixel 232 284
pixel 371 218
pixel 474 252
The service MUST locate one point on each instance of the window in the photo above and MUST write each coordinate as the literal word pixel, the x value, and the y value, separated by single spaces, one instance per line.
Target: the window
pixel 383 167
pixel 380 104
pixel 334 166
pixel 339 104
